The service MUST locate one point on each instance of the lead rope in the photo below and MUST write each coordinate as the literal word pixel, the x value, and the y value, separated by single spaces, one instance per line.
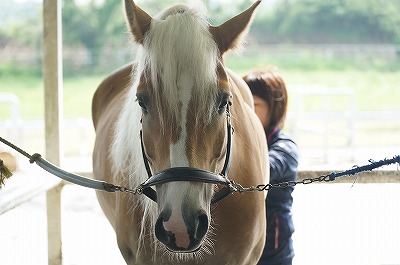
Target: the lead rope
pixel 234 187
pixel 70 177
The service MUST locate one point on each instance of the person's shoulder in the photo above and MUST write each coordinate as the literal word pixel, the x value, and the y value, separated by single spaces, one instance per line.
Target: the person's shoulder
pixel 281 137
pixel 285 143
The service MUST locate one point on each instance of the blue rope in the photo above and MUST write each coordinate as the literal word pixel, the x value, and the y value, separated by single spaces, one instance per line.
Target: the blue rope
pixel 356 169
pixel 325 178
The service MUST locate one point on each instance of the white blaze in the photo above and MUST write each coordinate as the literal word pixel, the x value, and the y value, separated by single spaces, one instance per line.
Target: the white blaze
pixel 178 158
pixel 177 151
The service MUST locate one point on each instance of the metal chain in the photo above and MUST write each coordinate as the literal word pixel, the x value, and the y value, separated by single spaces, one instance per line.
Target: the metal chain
pixel 235 187
pixel 112 188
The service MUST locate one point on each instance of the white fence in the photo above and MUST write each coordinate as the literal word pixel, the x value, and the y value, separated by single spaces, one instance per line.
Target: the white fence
pixel 325 119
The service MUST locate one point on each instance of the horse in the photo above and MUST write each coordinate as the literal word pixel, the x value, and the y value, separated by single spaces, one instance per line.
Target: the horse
pixel 179 121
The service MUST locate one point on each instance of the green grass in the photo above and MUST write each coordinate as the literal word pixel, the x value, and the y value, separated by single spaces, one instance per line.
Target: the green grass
pixel 29 89
pixel 376 88
pixel 373 90
pixel 376 82
pixel 77 95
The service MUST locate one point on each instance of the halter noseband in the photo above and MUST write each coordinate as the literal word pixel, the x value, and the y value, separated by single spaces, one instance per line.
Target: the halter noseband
pixel 190 173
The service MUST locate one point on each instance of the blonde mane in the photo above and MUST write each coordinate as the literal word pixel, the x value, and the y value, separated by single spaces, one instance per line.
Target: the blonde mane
pixel 178 41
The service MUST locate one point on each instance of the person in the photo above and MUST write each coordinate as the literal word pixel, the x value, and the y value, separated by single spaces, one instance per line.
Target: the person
pixel 270 104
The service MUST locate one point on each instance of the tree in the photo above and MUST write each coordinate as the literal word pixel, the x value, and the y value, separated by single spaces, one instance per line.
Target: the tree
pixel 20 23
pixel 340 21
pixel 93 25
pixel 101 23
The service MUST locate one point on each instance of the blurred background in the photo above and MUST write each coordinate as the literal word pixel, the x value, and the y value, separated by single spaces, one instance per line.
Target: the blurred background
pixel 340 61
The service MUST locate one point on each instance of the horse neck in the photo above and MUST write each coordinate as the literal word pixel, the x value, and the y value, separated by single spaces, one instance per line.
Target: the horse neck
pixel 240 85
pixel 249 142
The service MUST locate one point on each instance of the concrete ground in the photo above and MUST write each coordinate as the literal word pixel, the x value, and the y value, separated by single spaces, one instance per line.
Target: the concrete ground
pixel 335 224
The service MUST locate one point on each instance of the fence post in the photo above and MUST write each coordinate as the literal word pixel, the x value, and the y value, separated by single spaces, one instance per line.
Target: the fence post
pixel 54 225
pixel 52 79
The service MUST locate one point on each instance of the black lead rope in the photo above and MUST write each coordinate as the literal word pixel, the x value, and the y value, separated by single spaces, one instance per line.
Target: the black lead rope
pixel 70 177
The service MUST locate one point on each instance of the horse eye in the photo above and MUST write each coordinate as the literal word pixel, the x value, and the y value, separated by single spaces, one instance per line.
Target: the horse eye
pixel 222 105
pixel 143 106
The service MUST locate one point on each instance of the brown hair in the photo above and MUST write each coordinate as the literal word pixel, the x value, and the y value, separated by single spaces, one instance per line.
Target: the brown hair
pixel 270 86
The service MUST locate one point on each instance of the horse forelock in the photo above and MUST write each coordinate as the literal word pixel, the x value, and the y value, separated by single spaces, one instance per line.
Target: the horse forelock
pixel 179 41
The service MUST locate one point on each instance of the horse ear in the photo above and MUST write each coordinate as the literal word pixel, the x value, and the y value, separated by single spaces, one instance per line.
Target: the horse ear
pixel 138 20
pixel 230 34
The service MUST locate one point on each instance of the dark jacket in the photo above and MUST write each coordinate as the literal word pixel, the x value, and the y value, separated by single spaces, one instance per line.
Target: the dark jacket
pixel 283 159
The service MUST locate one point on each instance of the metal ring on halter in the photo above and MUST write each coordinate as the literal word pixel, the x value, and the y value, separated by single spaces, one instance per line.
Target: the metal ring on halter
pixel 189 173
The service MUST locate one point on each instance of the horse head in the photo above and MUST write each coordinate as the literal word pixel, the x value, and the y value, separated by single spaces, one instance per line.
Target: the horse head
pixel 184 94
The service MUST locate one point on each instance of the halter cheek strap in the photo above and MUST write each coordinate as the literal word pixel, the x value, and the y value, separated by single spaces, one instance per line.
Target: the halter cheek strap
pixel 189 173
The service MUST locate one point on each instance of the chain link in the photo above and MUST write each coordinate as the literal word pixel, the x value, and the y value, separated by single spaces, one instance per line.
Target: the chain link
pixel 285 184
pixel 235 187
pixel 112 188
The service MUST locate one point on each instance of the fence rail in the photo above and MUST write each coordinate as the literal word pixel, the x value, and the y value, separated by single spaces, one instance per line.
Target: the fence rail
pixel 120 55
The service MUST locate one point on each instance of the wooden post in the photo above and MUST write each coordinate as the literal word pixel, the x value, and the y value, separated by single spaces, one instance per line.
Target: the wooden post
pixel 54 249
pixel 52 78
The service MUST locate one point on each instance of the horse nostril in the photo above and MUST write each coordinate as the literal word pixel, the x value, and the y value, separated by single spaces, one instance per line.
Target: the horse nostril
pixel 202 227
pixel 161 233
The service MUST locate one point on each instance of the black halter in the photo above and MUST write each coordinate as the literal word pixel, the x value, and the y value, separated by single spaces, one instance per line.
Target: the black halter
pixel 191 174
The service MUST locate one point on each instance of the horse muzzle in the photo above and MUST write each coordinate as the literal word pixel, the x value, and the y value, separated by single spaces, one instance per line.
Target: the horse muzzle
pixel 184 237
